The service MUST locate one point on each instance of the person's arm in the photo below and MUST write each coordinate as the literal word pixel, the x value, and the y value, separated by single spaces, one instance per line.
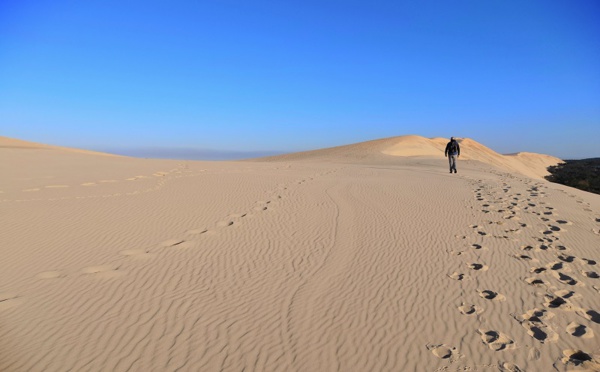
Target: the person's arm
pixel 446 152
pixel 458 148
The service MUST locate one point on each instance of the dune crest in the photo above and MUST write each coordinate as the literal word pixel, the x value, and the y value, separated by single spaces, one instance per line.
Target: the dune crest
pixel 529 164
pixel 13 143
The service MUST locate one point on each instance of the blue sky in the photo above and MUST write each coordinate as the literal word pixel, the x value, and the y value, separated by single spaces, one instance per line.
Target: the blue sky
pixel 289 76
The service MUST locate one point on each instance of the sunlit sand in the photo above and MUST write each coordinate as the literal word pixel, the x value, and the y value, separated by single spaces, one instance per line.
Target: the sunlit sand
pixel 367 257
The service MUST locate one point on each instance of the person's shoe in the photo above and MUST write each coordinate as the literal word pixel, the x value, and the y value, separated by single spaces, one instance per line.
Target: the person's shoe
pixel 455 171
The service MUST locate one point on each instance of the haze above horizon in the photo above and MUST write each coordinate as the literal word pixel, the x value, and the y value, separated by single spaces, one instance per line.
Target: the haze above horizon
pixel 251 77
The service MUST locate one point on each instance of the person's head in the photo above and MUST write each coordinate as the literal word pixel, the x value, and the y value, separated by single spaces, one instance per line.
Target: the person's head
pixel 451 138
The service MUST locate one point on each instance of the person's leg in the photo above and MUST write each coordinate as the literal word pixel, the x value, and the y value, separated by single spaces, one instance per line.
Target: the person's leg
pixel 452 161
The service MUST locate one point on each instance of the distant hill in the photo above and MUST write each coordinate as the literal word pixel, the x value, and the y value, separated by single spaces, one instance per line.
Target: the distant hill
pixel 529 164
pixel 581 174
pixel 13 143
pixel 385 150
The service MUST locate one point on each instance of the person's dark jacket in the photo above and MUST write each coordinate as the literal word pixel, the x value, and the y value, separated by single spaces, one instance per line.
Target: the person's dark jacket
pixel 449 147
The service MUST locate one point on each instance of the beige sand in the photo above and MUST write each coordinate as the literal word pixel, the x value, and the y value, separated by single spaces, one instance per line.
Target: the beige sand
pixel 368 257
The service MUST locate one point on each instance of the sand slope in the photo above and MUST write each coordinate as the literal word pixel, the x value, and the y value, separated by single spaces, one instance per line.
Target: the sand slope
pixel 382 263
pixel 380 151
pixel 13 143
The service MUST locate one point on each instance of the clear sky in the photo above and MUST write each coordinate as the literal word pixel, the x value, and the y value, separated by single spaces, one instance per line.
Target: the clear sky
pixel 297 75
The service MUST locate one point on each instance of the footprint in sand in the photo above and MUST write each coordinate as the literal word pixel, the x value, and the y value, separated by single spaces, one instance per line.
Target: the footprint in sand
pixel 495 340
pixel 491 295
pixel 88 184
pixel 477 267
pixel 549 232
pixel 537 270
pixel 563 222
pixel 533 322
pixel 558 302
pixel 444 351
pixel 582 359
pixel 31 190
pixel 457 276
pixel 224 223
pixel 524 257
pixel 590 274
pixel 562 248
pixel 510 367
pixel 567 259
pixel 535 282
pixel 103 271
pixel 467 309
pixel 546 239
pixel 8 300
pixel 565 293
pixel 534 354
pixel 579 330
pixel 588 261
pixel 51 275
pixel 555 266
pixel 513 231
pixel 592 315
pixel 565 279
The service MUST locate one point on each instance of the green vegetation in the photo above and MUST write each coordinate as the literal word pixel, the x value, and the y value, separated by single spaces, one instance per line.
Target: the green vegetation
pixel 582 174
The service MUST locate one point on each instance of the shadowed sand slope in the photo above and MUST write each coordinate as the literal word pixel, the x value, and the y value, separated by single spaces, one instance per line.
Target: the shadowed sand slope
pixel 121 264
pixel 530 164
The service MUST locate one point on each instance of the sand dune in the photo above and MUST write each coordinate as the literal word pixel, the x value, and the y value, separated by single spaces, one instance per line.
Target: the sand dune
pixel 529 164
pixel 13 143
pixel 367 257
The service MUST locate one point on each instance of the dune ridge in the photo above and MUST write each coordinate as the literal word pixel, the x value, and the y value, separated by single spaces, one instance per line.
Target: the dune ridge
pixel 362 261
pixel 529 164
pixel 14 143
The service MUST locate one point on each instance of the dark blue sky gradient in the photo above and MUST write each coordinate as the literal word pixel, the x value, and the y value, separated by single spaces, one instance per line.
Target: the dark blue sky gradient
pixel 287 76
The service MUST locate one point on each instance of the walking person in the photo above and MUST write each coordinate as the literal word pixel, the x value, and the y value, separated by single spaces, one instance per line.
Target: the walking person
pixel 452 152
